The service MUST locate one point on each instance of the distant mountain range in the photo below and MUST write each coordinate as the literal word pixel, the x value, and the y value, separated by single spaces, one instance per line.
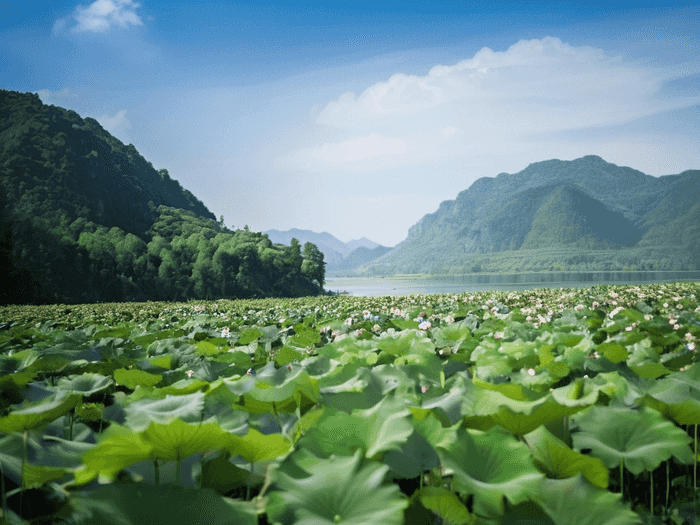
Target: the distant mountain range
pixel 338 255
pixel 586 214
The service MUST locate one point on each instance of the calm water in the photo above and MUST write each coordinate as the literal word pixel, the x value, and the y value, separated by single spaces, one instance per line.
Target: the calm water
pixel 375 286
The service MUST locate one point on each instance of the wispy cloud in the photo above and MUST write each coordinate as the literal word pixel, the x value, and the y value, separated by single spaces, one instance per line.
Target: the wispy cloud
pixel 118 125
pixel 99 17
pixel 491 104
pixel 57 98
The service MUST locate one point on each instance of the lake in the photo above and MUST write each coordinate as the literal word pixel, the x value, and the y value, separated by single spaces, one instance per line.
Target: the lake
pixel 417 284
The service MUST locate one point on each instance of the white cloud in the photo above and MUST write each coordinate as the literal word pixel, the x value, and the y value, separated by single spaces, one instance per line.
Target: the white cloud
pixel 366 153
pixel 491 104
pixel 57 98
pixel 99 17
pixel 450 131
pixel 116 125
pixel 362 148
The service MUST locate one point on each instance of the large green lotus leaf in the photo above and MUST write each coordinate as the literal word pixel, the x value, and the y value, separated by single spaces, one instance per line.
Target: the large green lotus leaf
pixel 489 362
pixel 403 343
pixel 491 465
pixel 644 360
pixel 429 426
pixel 446 505
pixel 578 393
pixel 133 378
pixel 387 425
pixel 518 349
pixel 34 416
pixel 119 448
pixel 221 475
pixel 457 336
pixel 177 439
pixel 519 417
pixel 613 351
pixel 287 355
pixel 182 387
pixel 226 416
pixel 642 439
pixel 448 404
pixel 255 446
pixel 137 504
pixel 85 384
pixel 351 387
pixel 337 491
pixel 574 501
pixel 613 385
pixel 283 392
pixel 558 461
pixel 238 386
pixel 375 430
pixel 513 391
pixel 681 392
pixel 350 351
pixel 413 459
pixel 140 414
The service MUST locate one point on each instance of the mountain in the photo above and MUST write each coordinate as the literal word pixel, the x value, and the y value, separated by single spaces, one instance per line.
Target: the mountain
pixel 584 214
pixel 335 251
pixel 85 218
pixel 53 159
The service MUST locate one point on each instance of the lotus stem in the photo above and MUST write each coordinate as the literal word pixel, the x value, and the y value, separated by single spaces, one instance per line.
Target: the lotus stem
pixel 651 480
pixel 277 418
pixel 250 481
pixel 668 481
pixel 156 472
pixel 178 471
pixel 2 489
pixel 622 479
pixel 695 463
pixel 25 440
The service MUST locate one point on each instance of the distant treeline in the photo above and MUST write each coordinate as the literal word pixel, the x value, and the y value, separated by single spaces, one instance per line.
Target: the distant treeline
pixel 187 257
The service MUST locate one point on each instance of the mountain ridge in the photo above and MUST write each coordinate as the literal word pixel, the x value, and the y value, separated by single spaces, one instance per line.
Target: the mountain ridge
pixel 610 209
pixel 335 251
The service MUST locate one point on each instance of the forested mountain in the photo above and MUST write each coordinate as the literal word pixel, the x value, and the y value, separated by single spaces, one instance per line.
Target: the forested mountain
pixel 85 218
pixel 584 214
pixel 337 254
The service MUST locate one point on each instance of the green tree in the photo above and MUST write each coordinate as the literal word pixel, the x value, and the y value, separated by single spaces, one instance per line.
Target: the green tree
pixel 314 267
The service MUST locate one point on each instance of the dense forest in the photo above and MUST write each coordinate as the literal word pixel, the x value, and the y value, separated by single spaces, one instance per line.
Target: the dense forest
pixel 84 218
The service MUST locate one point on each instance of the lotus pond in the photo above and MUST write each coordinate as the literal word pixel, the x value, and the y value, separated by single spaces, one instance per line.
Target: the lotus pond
pixel 559 406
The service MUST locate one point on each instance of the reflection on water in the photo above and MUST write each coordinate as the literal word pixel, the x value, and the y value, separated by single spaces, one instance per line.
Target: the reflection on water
pixel 375 286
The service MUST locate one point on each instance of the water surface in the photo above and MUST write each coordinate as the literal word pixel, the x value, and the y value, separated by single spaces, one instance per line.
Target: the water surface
pixel 406 285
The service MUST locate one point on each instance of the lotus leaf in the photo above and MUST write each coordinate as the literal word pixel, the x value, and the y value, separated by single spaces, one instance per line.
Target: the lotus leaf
pixel 85 384
pixel 642 438
pixel 558 461
pixel 446 505
pixel 339 490
pixel 574 501
pixel 491 465
pixel 375 430
pixel 34 416
pixel 135 504
pixel 140 414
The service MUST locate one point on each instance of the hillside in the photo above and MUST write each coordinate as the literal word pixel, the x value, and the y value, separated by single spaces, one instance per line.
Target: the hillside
pixel 584 214
pixel 85 218
pixel 51 159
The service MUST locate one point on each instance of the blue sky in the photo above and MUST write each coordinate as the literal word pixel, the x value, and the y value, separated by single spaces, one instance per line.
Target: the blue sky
pixel 358 118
